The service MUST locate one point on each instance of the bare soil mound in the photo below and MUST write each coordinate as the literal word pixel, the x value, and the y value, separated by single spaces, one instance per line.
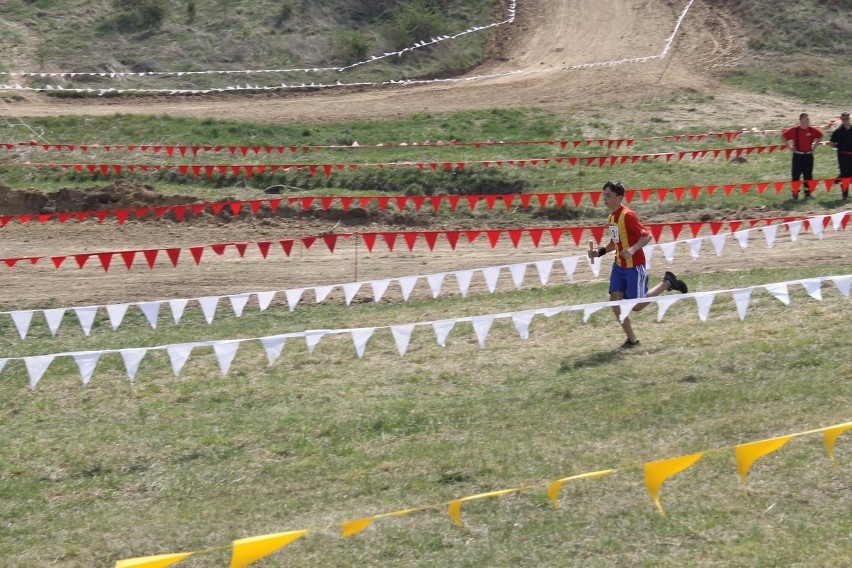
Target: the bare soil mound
pixel 117 195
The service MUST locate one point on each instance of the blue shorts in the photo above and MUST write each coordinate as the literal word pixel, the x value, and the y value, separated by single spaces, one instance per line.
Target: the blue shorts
pixel 632 282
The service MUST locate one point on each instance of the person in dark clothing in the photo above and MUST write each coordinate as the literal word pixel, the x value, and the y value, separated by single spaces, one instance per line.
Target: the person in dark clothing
pixel 841 140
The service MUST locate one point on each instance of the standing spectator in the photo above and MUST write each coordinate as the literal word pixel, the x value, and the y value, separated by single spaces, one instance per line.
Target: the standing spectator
pixel 802 140
pixel 628 279
pixel 841 139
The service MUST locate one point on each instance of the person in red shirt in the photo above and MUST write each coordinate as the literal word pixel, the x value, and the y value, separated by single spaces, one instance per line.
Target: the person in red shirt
pixel 802 140
pixel 628 279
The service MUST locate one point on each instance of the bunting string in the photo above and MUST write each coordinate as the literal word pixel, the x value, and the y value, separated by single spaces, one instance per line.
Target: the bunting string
pixel 246 551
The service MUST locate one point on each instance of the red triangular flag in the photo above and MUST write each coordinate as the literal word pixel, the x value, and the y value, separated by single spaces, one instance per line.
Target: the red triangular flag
pixel 263 246
pixel 106 259
pixel 430 237
pixel 390 239
pixel 656 230
pixel 286 246
pixel 174 254
pixel 452 238
pixel 81 259
pixel 330 241
pixel 196 253
pixel 128 257
pixel 369 240
pixel 410 237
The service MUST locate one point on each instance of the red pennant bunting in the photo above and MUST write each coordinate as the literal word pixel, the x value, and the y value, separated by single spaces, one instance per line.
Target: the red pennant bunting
pixel 128 256
pixel 535 236
pixel 661 193
pixel 728 189
pixel 493 236
pixel 452 238
pixel 64 216
pixel 430 237
pixel 556 236
pixel 454 201
pixel 390 239
pixel 761 187
pixel 57 261
pixel 675 228
pixel 410 238
pixel 81 259
pixel 629 195
pixel 577 196
pixel 576 234
pixel 330 241
pixel 734 226
pixel 597 233
pixel 196 253
pixel 472 235
pixel 646 194
pixel 287 246
pixel 490 200
pixel 369 240
pixel 308 242
pixel 715 226
pixel 121 215
pixel 263 247
pixel 101 215
pixel 746 187
pixel 695 228
pixel 507 200
pixel 656 230
pixel 418 200
pixel 174 255
pixel 559 198
pixel 515 236
pixel 435 202
pixel 346 203
pixel 595 196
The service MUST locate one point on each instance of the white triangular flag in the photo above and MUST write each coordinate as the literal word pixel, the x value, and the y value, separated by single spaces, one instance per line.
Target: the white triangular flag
pixel 360 338
pixel 843 283
pixel 518 272
pixel 54 318
pixel 349 291
pixel 649 253
pixel 442 330
pixel 570 265
pixel 36 366
pixel 238 303
pixel 695 246
pixel 704 300
pixel 481 325
pixel 436 281
pixel 817 225
pixel 22 321
pixel 668 250
pixel 2 364
pixel 769 231
pixel 813 287
pixel 86 362
pixel 522 322
pixel 627 307
pixel 312 338
pixel 402 336
pixel 837 219
pixel 322 292
pixel 742 299
pixel 379 288
pixel 178 306
pixel 795 227
pixel 132 358
pixel 225 352
pixel 264 299
pixel 178 355
pixel 273 346
pixel 406 284
pixel 718 241
pixel 491 274
pixel 742 238
pixel 116 314
pixel 588 310
pixel 208 307
pixel 293 297
pixel 463 277
pixel 779 291
pixel 595 265
pixel 663 305
pixel 151 311
pixel 86 317
pixel 544 267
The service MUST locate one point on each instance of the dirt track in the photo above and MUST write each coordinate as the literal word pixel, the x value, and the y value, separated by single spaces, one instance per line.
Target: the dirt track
pixel 548 35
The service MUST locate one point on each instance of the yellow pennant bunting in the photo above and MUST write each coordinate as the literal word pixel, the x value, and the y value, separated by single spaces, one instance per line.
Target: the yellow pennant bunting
pixel 356 526
pixel 247 550
pixel 657 472
pixel 556 486
pixel 830 436
pixel 160 561
pixel 747 454
pixel 454 510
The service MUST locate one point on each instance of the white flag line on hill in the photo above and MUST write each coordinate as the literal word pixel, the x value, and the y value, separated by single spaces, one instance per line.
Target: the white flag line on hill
pixel 225 350
pixel 22 319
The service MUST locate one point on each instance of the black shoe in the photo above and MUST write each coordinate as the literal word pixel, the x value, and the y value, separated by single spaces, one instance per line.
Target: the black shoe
pixel 796 196
pixel 628 344
pixel 807 195
pixel 675 283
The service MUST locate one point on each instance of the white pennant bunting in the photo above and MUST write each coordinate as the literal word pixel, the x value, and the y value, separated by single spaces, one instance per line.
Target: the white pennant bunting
pixel 349 291
pixel 491 274
pixel 544 267
pixel 322 292
pixel 132 358
pixel 2 364
pixel 704 300
pixel 795 228
pixel 178 355
pixel 293 297
pixel 813 286
pixel 843 283
pixel 442 330
pixel 238 303
pixel 312 338
pixel 742 299
pixel 225 352
pixel 481 325
pixel 402 336
pixel 177 307
pixel 837 219
pixel 22 321
pixel 522 322
pixel 53 319
pixel 151 310
pixel 695 246
pixel 86 317
pixel 379 288
pixel 817 225
pixel 627 307
pixel 779 291
pixel 718 243
pixel 360 338
pixel 436 281
pixel 86 363
pixel 518 272
pixel 272 346
pixel 264 299
pixel 668 250
pixel 36 366
pixel 663 304
pixel 463 277
pixel 588 310
pixel 116 314
pixel 649 253
pixel 595 265
pixel 769 231
pixel 742 238
pixel 208 307
pixel 406 284
pixel 570 266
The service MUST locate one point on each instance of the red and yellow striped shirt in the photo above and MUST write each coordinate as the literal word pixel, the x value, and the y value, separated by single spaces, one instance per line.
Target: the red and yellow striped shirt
pixel 626 230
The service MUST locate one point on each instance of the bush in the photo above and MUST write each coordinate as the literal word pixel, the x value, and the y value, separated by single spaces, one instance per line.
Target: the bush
pixel 413 22
pixel 136 16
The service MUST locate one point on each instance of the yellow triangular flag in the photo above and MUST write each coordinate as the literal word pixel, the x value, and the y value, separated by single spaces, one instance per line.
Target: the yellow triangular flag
pixel 555 487
pixel 160 561
pixel 247 550
pixel 830 437
pixel 747 454
pixel 657 472
pixel 356 526
pixel 454 511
